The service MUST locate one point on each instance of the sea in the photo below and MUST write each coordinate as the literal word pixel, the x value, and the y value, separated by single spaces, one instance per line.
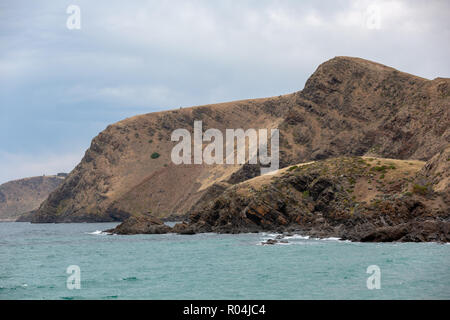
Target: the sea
pixel 79 261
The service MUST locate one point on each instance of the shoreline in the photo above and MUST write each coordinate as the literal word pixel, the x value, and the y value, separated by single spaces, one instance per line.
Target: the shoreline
pixel 276 235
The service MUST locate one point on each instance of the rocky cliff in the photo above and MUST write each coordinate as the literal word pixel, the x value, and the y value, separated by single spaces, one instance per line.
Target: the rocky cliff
pixel 363 199
pixel 348 107
pixel 354 198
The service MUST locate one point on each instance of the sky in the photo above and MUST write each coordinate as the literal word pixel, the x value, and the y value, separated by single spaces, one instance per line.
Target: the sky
pixel 60 86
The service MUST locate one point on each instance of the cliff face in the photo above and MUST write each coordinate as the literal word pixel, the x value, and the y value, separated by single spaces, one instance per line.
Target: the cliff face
pixel 20 196
pixel 435 175
pixel 349 106
pixel 354 198
pixel 128 169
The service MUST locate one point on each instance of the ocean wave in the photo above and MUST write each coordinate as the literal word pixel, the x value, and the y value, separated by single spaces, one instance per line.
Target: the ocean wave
pixel 331 239
pixel 297 236
pixel 271 234
pixel 335 239
pixel 294 237
pixel 98 232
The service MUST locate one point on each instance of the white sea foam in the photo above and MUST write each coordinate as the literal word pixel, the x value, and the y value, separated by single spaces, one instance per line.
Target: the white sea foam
pixel 331 239
pixel 284 243
pixel 297 236
pixel 98 232
pixel 275 244
pixel 271 234
pixel 267 236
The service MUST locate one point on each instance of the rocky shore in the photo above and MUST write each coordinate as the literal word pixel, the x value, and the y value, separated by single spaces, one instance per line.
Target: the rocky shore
pixel 351 198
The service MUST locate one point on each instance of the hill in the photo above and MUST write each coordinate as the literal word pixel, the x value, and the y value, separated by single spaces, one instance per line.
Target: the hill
pixel 352 198
pixel 355 198
pixel 24 195
pixel 348 107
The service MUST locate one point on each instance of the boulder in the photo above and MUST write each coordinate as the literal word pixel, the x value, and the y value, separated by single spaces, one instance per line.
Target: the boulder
pixel 141 224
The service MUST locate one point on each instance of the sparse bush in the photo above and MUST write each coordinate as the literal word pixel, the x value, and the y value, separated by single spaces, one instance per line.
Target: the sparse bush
pixel 155 155
pixel 418 189
pixel 379 168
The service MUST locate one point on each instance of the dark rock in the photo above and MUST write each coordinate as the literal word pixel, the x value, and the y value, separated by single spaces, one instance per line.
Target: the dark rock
pixel 417 231
pixel 141 224
pixel 183 228
pixel 269 242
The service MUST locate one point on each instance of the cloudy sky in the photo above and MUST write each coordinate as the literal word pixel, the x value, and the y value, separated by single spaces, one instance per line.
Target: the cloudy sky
pixel 60 87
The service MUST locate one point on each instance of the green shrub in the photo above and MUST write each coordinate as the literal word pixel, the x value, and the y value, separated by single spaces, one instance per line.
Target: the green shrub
pixel 379 168
pixel 155 155
pixel 418 189
pixel 306 194
pixel 292 168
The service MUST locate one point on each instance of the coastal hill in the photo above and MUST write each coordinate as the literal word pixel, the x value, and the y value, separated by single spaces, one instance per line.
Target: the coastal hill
pixel 352 198
pixel 348 107
pixel 24 195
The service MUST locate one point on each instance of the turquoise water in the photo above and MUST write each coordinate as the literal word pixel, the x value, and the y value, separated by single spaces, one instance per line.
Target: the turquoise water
pixel 34 259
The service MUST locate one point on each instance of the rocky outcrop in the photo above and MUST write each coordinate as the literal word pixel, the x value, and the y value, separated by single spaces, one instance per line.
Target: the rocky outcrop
pixel 349 107
pixel 141 224
pixel 416 231
pixel 25 195
pixel 358 199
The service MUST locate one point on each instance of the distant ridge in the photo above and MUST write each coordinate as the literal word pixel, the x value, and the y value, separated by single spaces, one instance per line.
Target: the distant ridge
pixel 24 195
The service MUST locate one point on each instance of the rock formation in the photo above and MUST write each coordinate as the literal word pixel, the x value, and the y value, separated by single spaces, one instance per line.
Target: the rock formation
pixel 354 198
